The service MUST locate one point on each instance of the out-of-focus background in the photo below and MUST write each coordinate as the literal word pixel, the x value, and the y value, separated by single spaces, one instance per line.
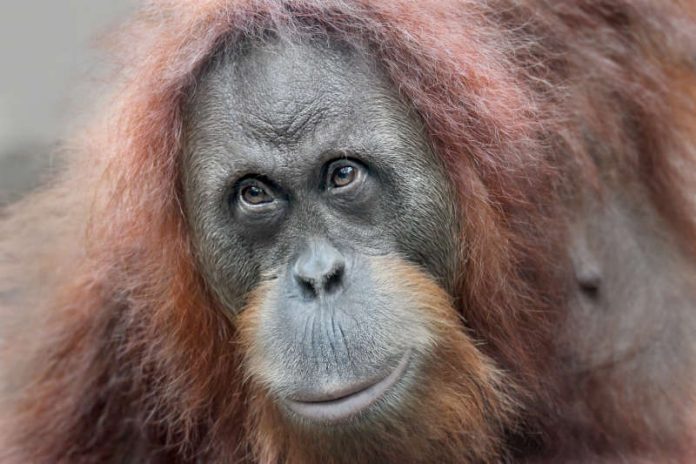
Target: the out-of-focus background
pixel 49 58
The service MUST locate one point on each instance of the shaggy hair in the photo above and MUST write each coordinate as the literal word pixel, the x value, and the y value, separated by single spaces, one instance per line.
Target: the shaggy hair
pixel 526 101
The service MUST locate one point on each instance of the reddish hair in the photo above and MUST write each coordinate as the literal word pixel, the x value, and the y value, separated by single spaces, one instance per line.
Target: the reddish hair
pixel 515 96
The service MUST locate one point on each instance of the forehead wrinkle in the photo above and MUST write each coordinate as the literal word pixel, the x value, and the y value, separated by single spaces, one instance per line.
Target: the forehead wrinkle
pixel 298 109
pixel 323 99
pixel 279 92
pixel 284 128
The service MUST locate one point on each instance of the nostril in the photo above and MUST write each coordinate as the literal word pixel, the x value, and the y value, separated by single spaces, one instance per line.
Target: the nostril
pixel 334 280
pixel 307 288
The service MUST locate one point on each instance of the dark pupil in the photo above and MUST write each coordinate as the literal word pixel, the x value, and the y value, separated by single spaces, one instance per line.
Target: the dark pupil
pixel 343 176
pixel 255 195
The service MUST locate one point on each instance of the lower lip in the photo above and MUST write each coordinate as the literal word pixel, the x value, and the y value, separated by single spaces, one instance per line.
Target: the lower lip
pixel 340 409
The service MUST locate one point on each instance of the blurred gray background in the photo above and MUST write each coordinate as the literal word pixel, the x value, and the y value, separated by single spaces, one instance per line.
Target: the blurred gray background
pixel 50 56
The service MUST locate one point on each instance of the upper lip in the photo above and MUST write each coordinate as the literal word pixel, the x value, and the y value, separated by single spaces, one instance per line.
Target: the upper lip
pixel 345 402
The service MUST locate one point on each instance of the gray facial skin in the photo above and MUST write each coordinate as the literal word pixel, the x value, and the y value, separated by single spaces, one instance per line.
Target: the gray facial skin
pixel 301 165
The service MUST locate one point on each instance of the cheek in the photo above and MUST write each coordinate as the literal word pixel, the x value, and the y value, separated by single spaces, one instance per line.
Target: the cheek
pixel 431 235
pixel 227 262
pixel 228 266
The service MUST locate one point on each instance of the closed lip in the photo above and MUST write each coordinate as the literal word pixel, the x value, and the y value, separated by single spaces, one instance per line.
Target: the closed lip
pixel 344 403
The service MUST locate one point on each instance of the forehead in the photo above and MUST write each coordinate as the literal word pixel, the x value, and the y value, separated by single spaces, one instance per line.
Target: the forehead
pixel 281 93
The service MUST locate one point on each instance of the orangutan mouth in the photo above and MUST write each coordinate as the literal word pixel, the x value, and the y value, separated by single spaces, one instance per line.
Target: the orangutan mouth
pixel 348 402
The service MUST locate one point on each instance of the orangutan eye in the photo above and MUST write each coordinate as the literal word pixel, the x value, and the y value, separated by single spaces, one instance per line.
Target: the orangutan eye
pixel 342 176
pixel 345 174
pixel 255 193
